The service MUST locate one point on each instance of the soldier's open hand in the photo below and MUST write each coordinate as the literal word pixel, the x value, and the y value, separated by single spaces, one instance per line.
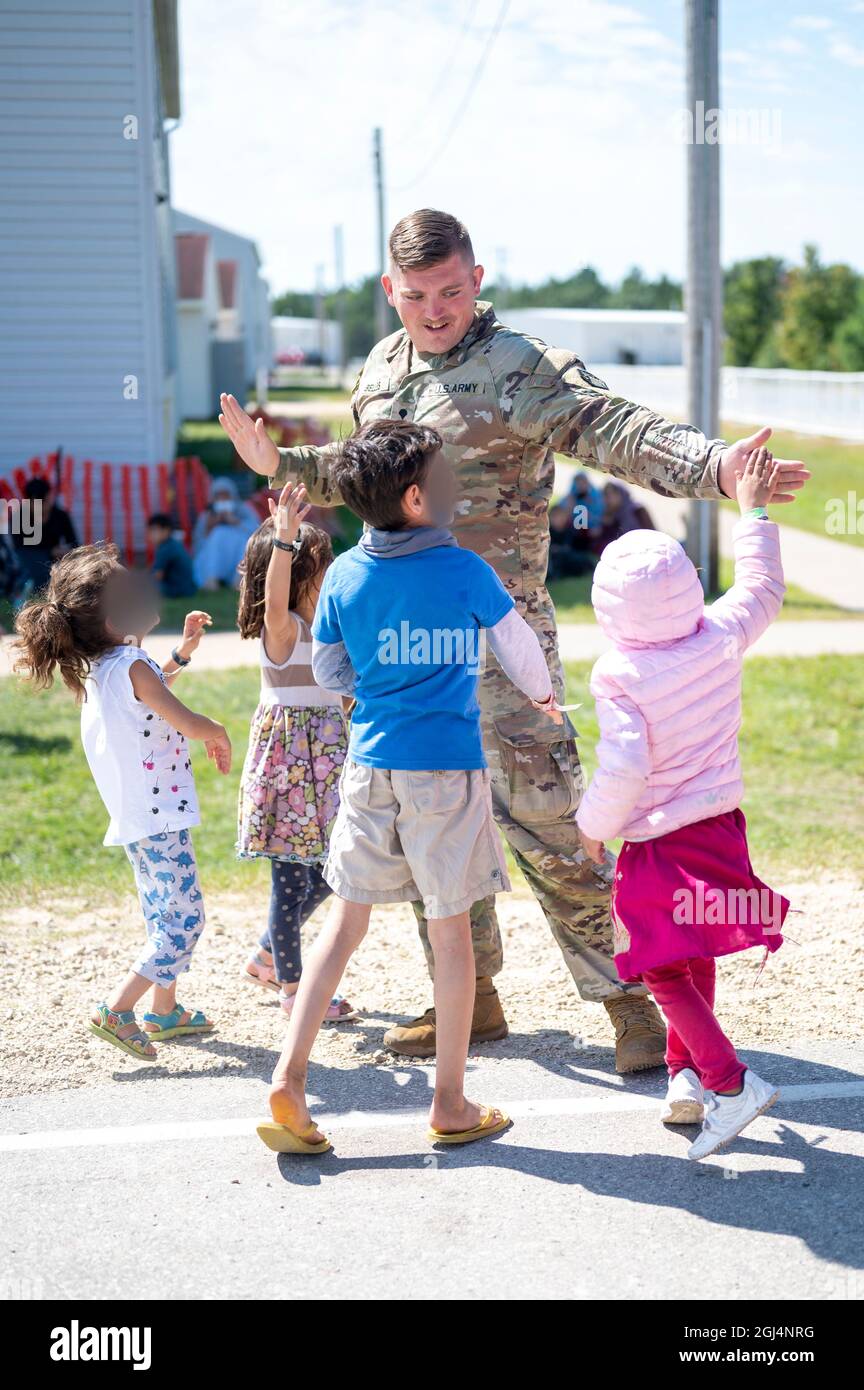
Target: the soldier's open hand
pixel 249 437
pixel 791 474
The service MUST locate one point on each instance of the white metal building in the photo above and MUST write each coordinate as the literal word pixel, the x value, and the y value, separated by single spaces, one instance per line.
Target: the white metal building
pixel 292 334
pixel 87 337
pixel 251 298
pixel 635 336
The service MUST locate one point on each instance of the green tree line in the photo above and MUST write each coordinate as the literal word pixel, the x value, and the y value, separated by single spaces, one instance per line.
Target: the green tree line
pixel 809 317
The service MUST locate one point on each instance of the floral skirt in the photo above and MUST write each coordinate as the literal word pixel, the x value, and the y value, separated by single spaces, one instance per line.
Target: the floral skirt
pixel 289 791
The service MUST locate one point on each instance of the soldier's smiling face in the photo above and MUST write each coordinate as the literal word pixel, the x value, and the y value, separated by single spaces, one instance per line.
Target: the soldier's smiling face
pixel 435 304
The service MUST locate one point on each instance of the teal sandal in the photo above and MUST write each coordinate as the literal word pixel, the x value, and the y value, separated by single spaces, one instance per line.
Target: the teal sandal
pixel 169 1025
pixel 112 1019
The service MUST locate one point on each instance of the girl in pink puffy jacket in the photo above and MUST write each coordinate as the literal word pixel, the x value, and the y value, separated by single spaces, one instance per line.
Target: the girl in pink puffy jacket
pixel 669 781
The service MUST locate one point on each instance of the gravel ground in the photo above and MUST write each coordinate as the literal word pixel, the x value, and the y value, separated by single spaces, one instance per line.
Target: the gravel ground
pixel 54 964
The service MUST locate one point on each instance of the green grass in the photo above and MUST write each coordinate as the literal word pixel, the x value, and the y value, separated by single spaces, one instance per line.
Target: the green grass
pixel 312 394
pixel 802 747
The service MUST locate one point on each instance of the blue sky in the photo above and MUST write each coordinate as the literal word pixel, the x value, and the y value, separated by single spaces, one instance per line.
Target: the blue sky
pixel 567 150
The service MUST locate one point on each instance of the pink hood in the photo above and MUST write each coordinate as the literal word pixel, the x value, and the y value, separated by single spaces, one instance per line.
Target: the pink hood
pixel 646 590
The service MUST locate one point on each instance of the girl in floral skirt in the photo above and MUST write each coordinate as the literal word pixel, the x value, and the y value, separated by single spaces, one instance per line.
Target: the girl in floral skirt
pixel 289 791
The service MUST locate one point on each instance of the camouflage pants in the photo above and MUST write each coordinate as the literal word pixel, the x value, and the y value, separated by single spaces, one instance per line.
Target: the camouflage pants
pixel 536 787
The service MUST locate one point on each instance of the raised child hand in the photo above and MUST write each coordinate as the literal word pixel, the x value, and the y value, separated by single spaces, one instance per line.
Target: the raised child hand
pixel 756 479
pixel 194 626
pixel 289 512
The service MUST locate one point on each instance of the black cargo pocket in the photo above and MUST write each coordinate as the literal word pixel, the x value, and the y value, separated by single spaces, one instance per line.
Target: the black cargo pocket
pixel 542 768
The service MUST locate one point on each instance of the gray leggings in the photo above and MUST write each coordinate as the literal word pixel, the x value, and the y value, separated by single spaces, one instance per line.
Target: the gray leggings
pixel 296 891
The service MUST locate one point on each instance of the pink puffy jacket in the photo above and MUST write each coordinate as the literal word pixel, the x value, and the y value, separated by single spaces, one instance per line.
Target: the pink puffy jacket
pixel 669 694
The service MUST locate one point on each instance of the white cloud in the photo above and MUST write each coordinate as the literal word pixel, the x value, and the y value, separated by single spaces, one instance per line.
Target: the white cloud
pixel 846 52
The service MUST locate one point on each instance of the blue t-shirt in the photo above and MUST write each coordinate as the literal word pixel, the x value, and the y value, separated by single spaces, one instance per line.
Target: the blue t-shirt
pixel 412 625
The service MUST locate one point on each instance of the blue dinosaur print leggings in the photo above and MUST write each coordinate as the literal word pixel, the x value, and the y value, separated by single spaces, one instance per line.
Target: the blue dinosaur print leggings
pixel 167 881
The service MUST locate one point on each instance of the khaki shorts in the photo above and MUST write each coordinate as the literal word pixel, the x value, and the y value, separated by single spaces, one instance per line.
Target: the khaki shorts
pixel 404 836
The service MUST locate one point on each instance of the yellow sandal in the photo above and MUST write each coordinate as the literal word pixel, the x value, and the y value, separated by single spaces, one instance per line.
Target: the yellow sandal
pixel 283 1140
pixel 492 1122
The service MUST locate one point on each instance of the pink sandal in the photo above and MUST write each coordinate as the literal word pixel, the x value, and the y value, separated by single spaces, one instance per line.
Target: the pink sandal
pixel 338 1010
pixel 260 973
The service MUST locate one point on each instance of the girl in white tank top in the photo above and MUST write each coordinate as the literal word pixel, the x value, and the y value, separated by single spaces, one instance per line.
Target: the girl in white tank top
pixel 289 790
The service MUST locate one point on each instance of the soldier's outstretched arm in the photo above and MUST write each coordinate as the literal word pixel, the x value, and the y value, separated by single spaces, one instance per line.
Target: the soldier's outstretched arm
pixel 305 463
pixel 565 407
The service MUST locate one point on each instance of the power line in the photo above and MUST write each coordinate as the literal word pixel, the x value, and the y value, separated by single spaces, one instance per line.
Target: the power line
pixel 441 82
pixel 463 105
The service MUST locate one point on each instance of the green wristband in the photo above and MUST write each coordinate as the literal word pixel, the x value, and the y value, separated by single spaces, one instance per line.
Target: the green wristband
pixel 757 511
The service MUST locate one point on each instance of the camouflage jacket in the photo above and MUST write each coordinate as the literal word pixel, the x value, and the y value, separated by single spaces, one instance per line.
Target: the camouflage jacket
pixel 504 405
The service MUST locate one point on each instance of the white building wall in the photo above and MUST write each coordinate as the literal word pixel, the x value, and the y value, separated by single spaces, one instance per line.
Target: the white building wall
pixel 253 293
pixel 290 333
pixel 651 336
pixel 82 359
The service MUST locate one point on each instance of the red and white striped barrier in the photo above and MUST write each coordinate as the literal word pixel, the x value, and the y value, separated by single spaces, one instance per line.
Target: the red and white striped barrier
pixel 112 501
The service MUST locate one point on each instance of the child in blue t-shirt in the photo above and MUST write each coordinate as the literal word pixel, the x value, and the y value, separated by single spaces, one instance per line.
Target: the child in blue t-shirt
pixel 399 626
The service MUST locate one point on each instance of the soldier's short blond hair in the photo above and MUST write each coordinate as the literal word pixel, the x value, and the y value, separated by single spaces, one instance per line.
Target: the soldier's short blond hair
pixel 426 237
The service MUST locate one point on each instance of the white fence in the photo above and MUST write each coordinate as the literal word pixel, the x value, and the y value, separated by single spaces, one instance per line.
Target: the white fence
pixel 829 403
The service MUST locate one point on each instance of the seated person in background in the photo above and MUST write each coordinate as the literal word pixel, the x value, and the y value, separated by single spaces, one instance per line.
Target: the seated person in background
pixel 220 536
pixel 172 563
pixel 568 554
pixel 585 495
pixel 621 513
pixel 57 535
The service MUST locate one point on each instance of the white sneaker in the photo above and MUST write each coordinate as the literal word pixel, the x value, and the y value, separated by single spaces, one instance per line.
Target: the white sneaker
pixel 726 1116
pixel 685 1099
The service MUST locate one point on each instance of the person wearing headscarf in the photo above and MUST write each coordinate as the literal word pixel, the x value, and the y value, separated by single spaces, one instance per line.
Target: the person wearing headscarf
pixel 220 536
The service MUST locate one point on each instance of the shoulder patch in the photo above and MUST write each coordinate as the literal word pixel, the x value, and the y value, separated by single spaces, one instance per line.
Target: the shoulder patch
pixel 591 380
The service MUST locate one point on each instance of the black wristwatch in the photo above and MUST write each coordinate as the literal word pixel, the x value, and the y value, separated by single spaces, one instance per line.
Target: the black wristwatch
pixel 178 659
pixel 293 546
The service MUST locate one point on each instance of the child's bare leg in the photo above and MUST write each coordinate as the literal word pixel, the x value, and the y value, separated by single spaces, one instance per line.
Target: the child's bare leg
pixel 334 946
pixel 450 939
pixel 165 998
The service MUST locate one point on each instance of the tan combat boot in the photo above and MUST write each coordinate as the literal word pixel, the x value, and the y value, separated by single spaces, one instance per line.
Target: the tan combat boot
pixel 640 1033
pixel 417 1038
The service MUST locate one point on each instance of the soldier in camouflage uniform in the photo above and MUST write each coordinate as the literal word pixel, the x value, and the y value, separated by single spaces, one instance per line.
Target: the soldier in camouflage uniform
pixel 505 404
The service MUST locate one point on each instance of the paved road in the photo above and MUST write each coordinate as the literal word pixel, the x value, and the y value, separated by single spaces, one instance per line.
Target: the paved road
pixel 222 651
pixel 587 1196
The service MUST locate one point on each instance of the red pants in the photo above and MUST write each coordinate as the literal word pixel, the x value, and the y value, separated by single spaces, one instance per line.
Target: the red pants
pixel 684 991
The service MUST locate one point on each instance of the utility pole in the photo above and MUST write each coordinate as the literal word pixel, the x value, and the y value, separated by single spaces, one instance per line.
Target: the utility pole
pixel 381 316
pixel 501 281
pixel 703 294
pixel 319 314
pixel 339 264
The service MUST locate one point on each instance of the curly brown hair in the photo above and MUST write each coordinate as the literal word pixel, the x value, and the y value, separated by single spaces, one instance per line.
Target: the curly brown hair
pixel 314 555
pixel 64 627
